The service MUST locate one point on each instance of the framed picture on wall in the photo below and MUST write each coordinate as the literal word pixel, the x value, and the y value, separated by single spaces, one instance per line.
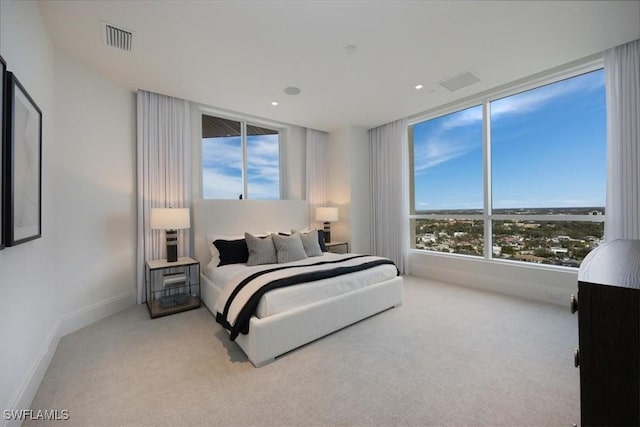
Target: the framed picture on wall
pixel 23 165
pixel 3 72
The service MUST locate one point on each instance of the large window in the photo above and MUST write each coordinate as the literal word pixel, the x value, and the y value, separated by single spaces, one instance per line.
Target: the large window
pixel 520 177
pixel 240 160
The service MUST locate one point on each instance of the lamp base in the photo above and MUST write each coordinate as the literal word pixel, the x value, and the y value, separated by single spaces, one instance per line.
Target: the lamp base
pixel 172 246
pixel 327 232
pixel 172 253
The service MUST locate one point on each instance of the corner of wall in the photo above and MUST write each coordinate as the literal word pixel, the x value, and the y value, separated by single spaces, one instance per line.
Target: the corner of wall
pixel 349 187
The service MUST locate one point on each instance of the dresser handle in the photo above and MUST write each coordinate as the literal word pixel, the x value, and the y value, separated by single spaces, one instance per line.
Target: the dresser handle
pixel 576 358
pixel 574 304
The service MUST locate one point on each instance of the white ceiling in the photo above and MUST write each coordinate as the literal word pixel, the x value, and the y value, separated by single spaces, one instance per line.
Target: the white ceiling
pixel 240 55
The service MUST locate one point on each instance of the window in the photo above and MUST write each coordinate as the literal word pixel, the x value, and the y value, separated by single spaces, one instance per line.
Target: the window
pixel 520 177
pixel 240 160
pixel 448 180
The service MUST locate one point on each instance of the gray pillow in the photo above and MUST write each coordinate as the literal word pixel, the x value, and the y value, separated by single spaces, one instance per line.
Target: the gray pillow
pixel 310 243
pixel 289 248
pixel 261 250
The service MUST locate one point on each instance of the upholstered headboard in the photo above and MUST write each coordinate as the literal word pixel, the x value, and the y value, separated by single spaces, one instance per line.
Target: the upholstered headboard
pixel 234 217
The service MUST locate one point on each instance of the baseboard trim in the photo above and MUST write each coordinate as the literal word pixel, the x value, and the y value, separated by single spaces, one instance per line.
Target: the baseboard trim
pixel 78 319
pixel 36 374
pixel 539 285
pixel 67 324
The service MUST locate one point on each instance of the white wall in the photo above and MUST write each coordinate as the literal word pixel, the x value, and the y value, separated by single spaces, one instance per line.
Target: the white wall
pixel 547 284
pixel 349 187
pixel 82 269
pixel 95 197
pixel 28 303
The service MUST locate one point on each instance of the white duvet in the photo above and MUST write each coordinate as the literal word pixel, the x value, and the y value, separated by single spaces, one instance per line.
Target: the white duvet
pixel 283 299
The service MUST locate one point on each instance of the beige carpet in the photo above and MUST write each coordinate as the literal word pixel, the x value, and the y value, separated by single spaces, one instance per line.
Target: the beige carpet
pixel 449 356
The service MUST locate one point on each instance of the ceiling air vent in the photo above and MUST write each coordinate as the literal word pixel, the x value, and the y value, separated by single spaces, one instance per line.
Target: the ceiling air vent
pixel 117 37
pixel 458 82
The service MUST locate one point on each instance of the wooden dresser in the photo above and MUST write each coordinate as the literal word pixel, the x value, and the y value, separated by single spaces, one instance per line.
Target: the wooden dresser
pixel 608 306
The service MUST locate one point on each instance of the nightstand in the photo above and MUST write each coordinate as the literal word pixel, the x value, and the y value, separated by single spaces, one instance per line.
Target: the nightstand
pixel 172 287
pixel 337 247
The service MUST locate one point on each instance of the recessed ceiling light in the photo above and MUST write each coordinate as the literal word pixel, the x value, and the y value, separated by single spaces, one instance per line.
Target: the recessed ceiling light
pixel 292 90
pixel 274 103
pixel 350 49
pixel 418 87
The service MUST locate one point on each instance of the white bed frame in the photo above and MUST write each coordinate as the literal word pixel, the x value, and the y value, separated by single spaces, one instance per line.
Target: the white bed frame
pixel 275 335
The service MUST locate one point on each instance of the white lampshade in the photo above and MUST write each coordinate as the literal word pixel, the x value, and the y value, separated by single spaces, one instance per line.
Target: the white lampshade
pixel 326 214
pixel 170 218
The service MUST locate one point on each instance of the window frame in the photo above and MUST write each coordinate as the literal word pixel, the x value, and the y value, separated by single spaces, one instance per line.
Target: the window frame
pixel 244 121
pixel 484 99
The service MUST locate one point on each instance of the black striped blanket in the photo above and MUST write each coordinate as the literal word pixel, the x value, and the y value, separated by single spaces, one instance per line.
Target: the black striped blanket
pixel 240 297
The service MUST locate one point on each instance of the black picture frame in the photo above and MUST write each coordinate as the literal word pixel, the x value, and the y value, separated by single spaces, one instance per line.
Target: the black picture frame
pixel 23 165
pixel 3 72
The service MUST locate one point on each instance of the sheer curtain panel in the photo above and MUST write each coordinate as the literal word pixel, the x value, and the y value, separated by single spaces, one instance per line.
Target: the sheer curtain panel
pixel 622 76
pixel 164 172
pixel 316 166
pixel 390 189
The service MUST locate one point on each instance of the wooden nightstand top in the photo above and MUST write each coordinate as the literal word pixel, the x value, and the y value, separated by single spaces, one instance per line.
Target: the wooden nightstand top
pixel 335 243
pixel 162 263
pixel 337 247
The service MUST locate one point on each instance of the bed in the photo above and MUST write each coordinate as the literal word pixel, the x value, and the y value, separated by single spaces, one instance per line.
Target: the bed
pixel 290 317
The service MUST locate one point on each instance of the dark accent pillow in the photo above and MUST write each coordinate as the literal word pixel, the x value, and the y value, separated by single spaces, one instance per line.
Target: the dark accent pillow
pixel 232 251
pixel 323 247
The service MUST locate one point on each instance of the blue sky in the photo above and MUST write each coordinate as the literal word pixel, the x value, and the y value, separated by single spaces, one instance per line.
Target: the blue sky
pixel 548 150
pixel 222 167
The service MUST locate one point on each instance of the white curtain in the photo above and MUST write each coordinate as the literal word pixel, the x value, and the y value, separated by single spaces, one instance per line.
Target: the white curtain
pixel 317 147
pixel 622 76
pixel 164 172
pixel 390 192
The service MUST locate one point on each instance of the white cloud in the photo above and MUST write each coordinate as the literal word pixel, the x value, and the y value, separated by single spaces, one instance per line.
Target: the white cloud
pixel 435 151
pixel 222 152
pixel 531 100
pixel 441 146
pixel 263 162
pixel 462 118
pixel 217 185
pixel 222 167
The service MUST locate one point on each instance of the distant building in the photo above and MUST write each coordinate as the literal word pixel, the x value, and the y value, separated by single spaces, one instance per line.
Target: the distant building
pixel 529 258
pixel 428 238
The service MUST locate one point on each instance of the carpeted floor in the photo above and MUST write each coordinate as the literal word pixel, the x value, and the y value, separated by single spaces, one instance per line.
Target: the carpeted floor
pixel 448 356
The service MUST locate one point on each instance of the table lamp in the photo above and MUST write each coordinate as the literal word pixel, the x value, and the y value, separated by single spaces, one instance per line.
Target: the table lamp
pixel 170 219
pixel 327 215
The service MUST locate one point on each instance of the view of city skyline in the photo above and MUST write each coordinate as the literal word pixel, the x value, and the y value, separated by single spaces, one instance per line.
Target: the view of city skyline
pixel 548 161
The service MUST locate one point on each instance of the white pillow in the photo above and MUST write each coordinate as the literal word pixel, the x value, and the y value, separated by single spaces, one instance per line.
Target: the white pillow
pixel 288 248
pixel 261 250
pixel 310 242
